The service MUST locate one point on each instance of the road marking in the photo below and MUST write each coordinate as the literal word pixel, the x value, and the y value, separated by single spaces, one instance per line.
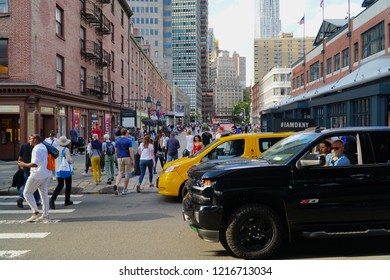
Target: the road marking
pixel 59 211
pixel 17 222
pixel 17 196
pixel 12 254
pixel 14 203
pixel 15 235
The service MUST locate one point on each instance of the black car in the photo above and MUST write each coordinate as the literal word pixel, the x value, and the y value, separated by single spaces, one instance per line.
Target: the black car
pixel 251 207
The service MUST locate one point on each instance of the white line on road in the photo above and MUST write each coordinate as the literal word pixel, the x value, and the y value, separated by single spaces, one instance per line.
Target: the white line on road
pixel 15 235
pixel 59 211
pixel 14 203
pixel 15 222
pixel 12 254
pixel 16 196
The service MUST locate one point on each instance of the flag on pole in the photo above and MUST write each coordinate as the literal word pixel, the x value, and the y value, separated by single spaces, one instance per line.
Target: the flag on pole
pixel 302 21
pixel 322 3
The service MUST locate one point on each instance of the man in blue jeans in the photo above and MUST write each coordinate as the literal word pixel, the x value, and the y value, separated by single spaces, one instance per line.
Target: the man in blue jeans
pixel 173 146
pixel 25 156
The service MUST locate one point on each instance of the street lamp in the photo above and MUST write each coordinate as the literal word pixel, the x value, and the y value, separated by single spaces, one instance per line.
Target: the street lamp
pixel 158 106
pixel 148 101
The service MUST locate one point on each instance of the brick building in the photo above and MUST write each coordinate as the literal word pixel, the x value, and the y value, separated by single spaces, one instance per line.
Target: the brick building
pixel 344 79
pixel 65 64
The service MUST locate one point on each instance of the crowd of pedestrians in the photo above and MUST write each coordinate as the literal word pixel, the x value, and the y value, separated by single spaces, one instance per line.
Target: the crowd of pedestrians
pixel 114 154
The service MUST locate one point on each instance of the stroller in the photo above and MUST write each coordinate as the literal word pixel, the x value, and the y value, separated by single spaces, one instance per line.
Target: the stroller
pixel 81 145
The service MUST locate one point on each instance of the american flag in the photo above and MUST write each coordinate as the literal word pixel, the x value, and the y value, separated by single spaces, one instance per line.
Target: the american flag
pixel 302 21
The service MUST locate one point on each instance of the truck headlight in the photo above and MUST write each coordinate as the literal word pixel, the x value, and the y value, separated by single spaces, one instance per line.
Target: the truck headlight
pixel 204 184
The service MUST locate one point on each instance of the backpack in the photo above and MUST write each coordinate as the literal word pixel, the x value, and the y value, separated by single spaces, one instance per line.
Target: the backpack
pixel 51 162
pixel 110 150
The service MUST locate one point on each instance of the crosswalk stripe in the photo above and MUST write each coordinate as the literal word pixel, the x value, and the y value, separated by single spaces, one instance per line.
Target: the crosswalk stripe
pixel 14 203
pixel 12 254
pixel 16 196
pixel 17 235
pixel 15 222
pixel 58 211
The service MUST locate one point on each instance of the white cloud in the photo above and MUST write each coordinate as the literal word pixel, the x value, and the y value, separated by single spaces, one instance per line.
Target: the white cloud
pixel 233 21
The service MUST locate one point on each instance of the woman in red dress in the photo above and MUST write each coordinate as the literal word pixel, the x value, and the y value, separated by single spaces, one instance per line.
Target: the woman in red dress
pixel 198 145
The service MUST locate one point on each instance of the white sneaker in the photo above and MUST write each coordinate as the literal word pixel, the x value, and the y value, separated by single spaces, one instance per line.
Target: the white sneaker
pixel 43 218
pixel 84 174
pixel 33 217
pixel 125 191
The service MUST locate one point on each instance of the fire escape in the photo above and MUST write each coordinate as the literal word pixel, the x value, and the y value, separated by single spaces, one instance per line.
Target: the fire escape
pixel 93 51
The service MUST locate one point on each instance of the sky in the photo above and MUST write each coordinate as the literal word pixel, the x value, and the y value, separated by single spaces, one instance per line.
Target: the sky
pixel 233 22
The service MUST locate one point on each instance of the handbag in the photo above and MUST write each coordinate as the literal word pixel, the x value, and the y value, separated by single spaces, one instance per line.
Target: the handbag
pixel 64 167
pixel 160 154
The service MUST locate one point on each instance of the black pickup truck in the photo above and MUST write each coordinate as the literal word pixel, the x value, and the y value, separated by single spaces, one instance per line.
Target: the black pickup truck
pixel 253 206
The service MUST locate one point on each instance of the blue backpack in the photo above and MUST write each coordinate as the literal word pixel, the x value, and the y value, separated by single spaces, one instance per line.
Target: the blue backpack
pixel 110 149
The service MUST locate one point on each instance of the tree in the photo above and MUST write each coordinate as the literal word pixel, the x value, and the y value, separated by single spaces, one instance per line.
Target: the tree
pixel 241 112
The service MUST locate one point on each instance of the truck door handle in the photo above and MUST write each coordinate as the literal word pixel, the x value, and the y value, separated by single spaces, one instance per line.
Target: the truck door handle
pixel 360 177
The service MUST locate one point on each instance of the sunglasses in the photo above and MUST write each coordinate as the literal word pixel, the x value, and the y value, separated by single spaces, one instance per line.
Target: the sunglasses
pixel 335 148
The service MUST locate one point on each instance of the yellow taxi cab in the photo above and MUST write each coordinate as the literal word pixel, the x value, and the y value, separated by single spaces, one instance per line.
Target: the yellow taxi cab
pixel 250 145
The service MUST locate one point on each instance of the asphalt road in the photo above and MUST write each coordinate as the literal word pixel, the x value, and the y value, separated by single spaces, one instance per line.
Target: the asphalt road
pixel 141 226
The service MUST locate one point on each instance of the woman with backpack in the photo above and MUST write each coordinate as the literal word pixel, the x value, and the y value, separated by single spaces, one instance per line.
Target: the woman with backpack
pixel 64 151
pixel 95 153
pixel 108 148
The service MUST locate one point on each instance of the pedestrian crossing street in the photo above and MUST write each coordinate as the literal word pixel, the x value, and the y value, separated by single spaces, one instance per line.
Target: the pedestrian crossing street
pixel 9 209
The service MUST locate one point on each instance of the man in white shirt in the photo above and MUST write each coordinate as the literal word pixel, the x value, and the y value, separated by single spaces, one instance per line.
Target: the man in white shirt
pixel 39 179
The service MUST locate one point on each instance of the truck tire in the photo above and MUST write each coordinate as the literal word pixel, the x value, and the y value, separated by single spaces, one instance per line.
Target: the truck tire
pixel 184 189
pixel 254 232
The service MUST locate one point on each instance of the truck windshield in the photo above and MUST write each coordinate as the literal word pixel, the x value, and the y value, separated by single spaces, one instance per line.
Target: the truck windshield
pixel 285 149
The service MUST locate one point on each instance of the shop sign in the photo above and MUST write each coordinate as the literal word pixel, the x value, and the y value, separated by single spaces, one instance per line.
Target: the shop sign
pixel 9 109
pixel 292 124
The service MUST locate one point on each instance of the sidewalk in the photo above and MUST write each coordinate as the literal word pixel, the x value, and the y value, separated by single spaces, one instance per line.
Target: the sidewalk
pixel 80 184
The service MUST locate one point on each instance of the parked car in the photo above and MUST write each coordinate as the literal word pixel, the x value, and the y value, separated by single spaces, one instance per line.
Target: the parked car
pixel 253 206
pixel 250 145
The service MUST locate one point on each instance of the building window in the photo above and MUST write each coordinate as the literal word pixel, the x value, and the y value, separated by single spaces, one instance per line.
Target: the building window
pixel 337 62
pixel 82 5
pixel 329 66
pixel 122 18
pixel 112 33
pixel 122 68
pixel 112 7
pixel 3 56
pixel 60 71
pixel 59 21
pixel 373 40
pixel 113 61
pixel 83 74
pixel 314 71
pixel 346 57
pixel 3 6
pixel 82 38
pixel 356 52
pixel 112 90
pixel 122 44
pixel 338 115
pixel 361 112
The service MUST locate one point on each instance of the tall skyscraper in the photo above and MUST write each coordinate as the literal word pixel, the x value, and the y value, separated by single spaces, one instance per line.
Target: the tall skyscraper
pixel 186 51
pixel 278 52
pixel 267 21
pixel 152 21
pixel 225 84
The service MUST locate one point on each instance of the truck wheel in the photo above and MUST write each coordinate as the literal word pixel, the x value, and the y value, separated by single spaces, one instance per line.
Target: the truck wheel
pixel 254 232
pixel 184 189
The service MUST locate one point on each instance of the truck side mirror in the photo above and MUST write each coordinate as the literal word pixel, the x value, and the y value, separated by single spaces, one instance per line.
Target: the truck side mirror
pixel 312 160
